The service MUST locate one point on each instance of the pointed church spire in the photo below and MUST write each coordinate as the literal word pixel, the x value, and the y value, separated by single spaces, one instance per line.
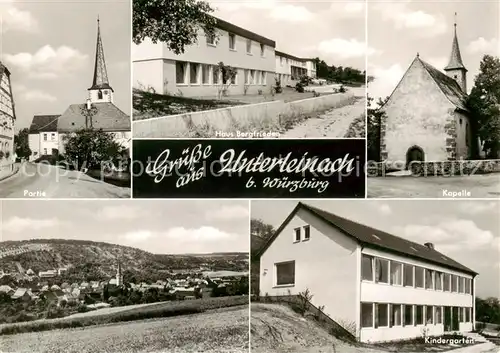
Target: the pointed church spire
pixel 100 80
pixel 456 57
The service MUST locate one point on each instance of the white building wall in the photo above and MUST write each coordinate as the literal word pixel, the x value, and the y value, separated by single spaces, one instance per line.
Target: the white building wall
pixel 148 57
pixel 326 265
pixel 397 294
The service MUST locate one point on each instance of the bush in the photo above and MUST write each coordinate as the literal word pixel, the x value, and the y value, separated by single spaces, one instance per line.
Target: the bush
pixel 82 308
pixel 299 87
pixel 342 89
pixel 277 86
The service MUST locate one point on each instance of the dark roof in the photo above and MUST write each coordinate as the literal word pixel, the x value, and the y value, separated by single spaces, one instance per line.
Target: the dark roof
pixel 44 123
pixel 108 117
pixel 4 68
pixel 100 80
pixel 448 86
pixel 364 235
pixel 285 55
pixel 229 27
pixel 455 57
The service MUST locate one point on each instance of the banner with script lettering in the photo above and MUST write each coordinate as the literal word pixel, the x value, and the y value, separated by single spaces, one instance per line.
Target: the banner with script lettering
pixel 249 168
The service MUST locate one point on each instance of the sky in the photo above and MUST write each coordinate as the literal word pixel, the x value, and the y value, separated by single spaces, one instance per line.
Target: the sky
pixel 331 30
pixel 398 30
pixel 49 47
pixel 466 231
pixel 157 226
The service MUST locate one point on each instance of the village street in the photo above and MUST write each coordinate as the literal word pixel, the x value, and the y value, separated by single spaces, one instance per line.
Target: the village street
pixel 479 186
pixel 47 181
pixel 334 123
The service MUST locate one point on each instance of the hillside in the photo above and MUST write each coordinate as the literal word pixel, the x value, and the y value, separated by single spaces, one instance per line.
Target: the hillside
pixel 88 260
pixel 277 328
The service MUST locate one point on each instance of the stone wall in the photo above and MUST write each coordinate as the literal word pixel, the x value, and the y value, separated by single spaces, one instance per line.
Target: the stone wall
pixel 462 167
pixel 267 116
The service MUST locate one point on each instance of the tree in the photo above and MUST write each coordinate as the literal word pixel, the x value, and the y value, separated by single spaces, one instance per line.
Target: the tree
pixel 227 75
pixel 91 148
pixel 484 104
pixel 105 293
pixel 22 145
pixel 374 120
pixel 173 22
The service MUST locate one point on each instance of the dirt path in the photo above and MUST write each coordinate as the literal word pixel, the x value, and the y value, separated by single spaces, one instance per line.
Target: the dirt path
pixel 333 123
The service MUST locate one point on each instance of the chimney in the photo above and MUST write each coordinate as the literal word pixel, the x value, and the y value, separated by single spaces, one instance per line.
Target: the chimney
pixel 429 245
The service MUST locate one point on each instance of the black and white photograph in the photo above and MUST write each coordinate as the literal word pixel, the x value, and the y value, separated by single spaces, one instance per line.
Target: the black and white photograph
pixel 66 98
pixel 249 69
pixel 371 276
pixel 213 168
pixel 124 276
pixel 433 115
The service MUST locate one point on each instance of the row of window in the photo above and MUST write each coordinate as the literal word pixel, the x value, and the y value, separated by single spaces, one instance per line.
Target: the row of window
pixel 374 315
pixel 306 230
pixel 211 40
pixel 5 146
pixel 205 74
pixel 52 136
pixel 375 269
pixel 5 83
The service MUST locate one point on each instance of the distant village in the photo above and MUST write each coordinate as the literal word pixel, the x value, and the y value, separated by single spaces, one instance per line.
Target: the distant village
pixel 48 287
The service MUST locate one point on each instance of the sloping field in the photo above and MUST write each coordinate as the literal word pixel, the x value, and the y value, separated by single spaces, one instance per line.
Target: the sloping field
pixel 277 329
pixel 218 331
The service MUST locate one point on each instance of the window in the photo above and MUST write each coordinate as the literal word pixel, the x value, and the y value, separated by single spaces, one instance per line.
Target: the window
pixel 45 151
pixel 438 315
pixel 408 315
pixel 460 121
pixel 285 273
pixel 419 277
pixel 45 137
pixel 194 73
pixel 454 283
pixel 396 273
pixel 297 234
pixel 281 60
pixel 249 46
pixel 467 315
pixel 382 270
pixel 419 315
pixel 247 77
pixel 233 79
pixel 307 232
pixel 408 275
pixel 99 94
pixel 366 315
pixel 215 75
pixel 232 41
pixel 252 77
pixel 461 285
pixel 180 72
pixel 429 279
pixel 367 267
pixel 205 74
pixel 439 280
pixel 461 314
pixel 264 78
pixel 382 315
pixel 210 38
pixel 262 49
pixel 446 282
pixel 53 136
pixel 429 315
pixel 396 315
pixel 467 286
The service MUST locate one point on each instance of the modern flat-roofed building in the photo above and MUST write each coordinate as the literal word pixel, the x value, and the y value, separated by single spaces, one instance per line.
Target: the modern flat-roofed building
pixel 193 73
pixel 376 285
pixel 290 68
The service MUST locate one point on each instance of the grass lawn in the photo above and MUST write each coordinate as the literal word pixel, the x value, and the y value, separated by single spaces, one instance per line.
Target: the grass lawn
pixel 114 315
pixel 216 331
pixel 152 105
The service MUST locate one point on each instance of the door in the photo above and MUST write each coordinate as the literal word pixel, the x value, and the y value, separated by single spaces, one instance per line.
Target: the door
pixel 447 319
pixel 455 324
pixel 414 154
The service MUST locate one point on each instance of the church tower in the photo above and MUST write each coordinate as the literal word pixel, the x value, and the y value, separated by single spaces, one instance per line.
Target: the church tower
pixel 455 68
pixel 100 91
pixel 119 274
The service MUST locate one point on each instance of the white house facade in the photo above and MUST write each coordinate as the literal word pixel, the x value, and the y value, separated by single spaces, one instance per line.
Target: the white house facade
pixel 194 74
pixel 7 118
pixel 377 286
pixel 43 138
